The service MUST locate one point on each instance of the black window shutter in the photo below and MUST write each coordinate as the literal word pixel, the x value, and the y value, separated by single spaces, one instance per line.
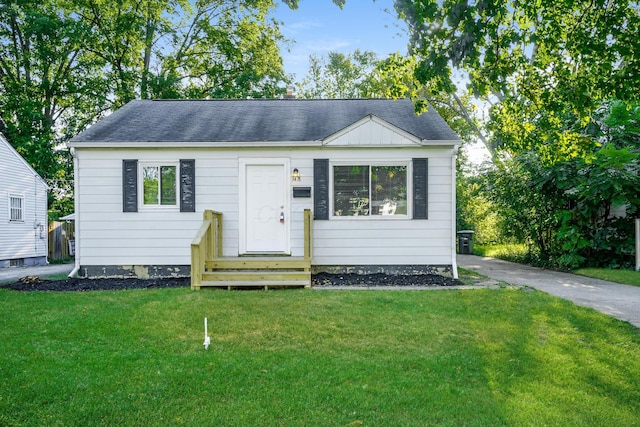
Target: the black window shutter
pixel 129 186
pixel 321 189
pixel 420 188
pixel 187 185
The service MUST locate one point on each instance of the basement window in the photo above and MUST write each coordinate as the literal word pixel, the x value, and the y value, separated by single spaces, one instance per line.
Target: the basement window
pixel 19 262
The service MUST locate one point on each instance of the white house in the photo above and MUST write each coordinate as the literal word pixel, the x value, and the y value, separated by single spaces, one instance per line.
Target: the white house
pixel 23 211
pixel 379 180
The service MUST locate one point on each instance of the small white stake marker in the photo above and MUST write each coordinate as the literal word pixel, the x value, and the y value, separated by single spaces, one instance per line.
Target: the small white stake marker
pixel 207 340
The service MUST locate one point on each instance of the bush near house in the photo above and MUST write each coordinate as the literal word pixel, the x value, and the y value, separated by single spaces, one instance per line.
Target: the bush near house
pixel 571 197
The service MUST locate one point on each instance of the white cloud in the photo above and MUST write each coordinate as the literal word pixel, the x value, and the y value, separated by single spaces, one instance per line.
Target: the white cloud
pixel 305 25
pixel 327 45
pixel 300 28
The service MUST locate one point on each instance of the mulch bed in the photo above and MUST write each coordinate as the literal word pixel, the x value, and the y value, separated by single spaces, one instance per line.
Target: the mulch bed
pixel 33 283
pixel 382 279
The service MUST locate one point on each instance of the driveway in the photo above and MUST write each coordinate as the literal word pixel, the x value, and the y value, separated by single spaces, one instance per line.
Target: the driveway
pixel 619 301
pixel 11 274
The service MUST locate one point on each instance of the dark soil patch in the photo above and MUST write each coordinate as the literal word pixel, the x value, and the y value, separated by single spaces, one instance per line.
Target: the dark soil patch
pixel 33 283
pixel 381 279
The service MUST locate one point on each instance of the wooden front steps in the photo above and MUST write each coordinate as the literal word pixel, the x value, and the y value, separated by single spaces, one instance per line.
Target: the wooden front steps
pixel 265 272
pixel 210 269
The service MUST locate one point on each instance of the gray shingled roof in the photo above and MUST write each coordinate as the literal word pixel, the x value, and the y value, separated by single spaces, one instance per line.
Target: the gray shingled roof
pixel 256 120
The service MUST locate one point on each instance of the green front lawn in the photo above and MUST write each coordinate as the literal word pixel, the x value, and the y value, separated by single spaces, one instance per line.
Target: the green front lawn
pixel 313 358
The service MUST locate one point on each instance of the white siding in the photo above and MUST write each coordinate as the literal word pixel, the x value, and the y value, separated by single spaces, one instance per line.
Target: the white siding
pixel 372 131
pixel 107 236
pixel 365 241
pixel 21 239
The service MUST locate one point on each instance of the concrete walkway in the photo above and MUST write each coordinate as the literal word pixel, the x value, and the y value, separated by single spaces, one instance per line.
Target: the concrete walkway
pixel 11 274
pixel 619 301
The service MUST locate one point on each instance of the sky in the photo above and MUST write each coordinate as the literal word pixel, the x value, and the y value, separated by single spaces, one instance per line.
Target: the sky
pixel 319 27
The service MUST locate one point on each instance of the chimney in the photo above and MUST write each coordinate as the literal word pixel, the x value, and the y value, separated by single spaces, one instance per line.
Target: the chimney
pixel 290 94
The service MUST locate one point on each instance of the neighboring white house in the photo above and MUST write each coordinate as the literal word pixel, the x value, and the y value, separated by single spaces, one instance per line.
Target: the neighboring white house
pixel 23 211
pixel 379 180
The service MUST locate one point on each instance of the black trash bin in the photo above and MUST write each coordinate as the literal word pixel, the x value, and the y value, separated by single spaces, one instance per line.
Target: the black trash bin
pixel 465 242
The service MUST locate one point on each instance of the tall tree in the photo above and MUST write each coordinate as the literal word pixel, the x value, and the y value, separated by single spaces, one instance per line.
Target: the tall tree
pixel 47 77
pixel 587 48
pixel 65 62
pixel 556 58
pixel 395 77
pixel 178 48
pixel 339 75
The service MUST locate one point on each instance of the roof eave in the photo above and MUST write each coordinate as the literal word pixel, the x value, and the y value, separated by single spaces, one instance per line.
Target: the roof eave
pixel 440 143
pixel 191 144
pixel 235 144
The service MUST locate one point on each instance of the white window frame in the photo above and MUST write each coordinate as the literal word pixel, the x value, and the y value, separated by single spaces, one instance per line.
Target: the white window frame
pixel 369 217
pixel 144 207
pixel 12 209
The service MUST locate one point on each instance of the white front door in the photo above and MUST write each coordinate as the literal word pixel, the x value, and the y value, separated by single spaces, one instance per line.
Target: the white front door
pixel 266 214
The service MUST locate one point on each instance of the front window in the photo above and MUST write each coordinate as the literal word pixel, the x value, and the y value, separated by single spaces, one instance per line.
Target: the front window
pixel 160 185
pixel 16 208
pixel 370 190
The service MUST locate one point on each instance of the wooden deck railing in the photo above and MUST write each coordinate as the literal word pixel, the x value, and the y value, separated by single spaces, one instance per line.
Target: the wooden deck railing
pixel 206 245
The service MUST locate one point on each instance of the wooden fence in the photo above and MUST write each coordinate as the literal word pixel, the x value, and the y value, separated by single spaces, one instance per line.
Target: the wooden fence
pixel 61 240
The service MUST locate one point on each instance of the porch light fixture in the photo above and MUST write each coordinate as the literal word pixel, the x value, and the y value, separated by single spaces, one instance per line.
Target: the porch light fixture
pixel 295 175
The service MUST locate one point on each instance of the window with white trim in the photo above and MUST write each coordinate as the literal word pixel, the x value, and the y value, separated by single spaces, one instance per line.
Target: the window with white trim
pixel 16 208
pixel 160 185
pixel 370 190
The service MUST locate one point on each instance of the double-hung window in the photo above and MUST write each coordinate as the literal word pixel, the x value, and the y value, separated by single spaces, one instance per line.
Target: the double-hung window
pixel 160 185
pixel 370 190
pixel 16 208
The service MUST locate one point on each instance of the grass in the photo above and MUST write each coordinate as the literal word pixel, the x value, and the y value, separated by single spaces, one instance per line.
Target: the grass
pixel 627 277
pixel 469 277
pixel 323 358
pixel 504 251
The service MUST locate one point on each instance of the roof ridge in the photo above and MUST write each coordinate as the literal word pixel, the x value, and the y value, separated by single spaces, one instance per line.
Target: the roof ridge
pixel 267 99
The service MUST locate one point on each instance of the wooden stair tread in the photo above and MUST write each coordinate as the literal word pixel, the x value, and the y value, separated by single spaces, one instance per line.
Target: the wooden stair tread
pixel 273 263
pixel 256 275
pixel 258 283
